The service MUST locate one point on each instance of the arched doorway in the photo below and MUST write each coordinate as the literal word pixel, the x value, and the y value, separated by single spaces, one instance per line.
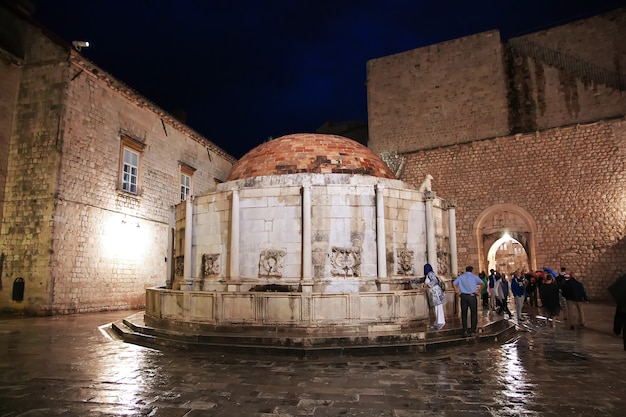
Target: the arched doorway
pixel 506 255
pixel 506 221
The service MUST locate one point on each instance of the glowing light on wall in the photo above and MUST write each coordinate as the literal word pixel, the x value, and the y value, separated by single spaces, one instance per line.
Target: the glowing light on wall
pixel 125 238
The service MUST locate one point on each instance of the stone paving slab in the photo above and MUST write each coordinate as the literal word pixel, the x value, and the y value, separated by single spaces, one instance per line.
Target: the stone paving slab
pixel 65 366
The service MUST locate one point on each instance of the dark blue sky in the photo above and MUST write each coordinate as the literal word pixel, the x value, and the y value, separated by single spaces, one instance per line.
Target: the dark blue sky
pixel 245 70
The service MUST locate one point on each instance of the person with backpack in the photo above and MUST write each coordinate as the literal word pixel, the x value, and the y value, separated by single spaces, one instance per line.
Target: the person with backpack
pixel 436 296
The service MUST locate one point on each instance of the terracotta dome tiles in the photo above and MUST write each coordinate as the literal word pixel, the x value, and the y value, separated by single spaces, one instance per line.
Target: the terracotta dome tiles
pixel 310 153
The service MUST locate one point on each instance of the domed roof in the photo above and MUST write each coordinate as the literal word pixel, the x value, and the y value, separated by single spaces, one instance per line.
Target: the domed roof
pixel 310 153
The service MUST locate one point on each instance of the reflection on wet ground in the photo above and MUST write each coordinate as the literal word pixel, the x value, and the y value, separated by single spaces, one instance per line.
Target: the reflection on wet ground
pixel 65 366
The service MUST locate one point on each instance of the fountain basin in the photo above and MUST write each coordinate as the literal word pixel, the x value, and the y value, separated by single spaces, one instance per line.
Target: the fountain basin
pixel 304 310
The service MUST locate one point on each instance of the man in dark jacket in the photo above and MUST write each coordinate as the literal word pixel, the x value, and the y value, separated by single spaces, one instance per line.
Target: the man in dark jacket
pixel 574 292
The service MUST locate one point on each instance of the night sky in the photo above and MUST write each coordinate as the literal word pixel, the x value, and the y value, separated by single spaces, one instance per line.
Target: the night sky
pixel 247 70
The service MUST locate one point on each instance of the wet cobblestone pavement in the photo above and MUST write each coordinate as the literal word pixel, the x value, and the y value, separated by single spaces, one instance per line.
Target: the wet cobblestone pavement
pixel 66 366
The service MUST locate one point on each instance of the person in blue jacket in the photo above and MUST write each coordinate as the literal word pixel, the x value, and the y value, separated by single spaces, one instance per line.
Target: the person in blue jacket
pixel 518 288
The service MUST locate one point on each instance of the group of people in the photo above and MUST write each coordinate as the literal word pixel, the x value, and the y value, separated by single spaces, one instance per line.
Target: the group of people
pixel 557 293
pixel 563 293
pixel 498 289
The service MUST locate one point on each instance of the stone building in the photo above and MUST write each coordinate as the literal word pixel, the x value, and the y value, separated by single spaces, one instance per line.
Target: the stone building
pixel 90 172
pixel 528 134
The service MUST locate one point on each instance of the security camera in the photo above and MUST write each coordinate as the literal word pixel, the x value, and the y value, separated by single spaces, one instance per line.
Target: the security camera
pixel 80 44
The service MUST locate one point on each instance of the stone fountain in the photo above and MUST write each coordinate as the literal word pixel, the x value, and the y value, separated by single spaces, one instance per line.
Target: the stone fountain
pixel 309 232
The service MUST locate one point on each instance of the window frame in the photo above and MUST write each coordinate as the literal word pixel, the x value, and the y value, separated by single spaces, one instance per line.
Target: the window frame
pixel 187 171
pixel 136 147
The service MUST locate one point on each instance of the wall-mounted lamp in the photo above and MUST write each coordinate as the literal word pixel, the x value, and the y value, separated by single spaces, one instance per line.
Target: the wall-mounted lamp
pixel 78 45
pixel 131 224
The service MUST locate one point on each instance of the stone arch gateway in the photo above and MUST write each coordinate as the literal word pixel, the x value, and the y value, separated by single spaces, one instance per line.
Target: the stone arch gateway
pixel 493 222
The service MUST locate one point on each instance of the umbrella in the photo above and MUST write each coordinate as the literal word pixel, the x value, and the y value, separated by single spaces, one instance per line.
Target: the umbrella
pixel 550 271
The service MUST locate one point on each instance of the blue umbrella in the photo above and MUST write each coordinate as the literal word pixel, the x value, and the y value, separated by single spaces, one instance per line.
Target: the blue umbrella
pixel 550 271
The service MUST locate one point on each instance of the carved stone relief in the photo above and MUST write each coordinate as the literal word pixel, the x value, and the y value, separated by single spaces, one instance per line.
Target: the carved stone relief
pixel 210 264
pixel 345 262
pixel 405 262
pixel 271 263
pixel 443 255
pixel 179 266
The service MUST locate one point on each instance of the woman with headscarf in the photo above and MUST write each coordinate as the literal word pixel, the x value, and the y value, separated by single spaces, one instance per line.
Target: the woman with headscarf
pixel 436 296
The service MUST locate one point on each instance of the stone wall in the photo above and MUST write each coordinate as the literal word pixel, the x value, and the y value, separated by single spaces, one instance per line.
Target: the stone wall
pixel 478 87
pixel 451 92
pixel 574 73
pixel 32 175
pixel 532 130
pixel 79 241
pixel 9 81
pixel 571 180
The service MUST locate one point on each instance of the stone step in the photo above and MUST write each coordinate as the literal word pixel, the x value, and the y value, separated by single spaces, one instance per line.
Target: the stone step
pixel 341 342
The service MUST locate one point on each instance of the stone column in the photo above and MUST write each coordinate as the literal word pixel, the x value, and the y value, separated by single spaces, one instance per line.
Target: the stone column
pixel 234 237
pixel 187 264
pixel 532 253
pixel 169 261
pixel 380 233
pixel 454 260
pixel 307 276
pixel 453 308
pixel 431 242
